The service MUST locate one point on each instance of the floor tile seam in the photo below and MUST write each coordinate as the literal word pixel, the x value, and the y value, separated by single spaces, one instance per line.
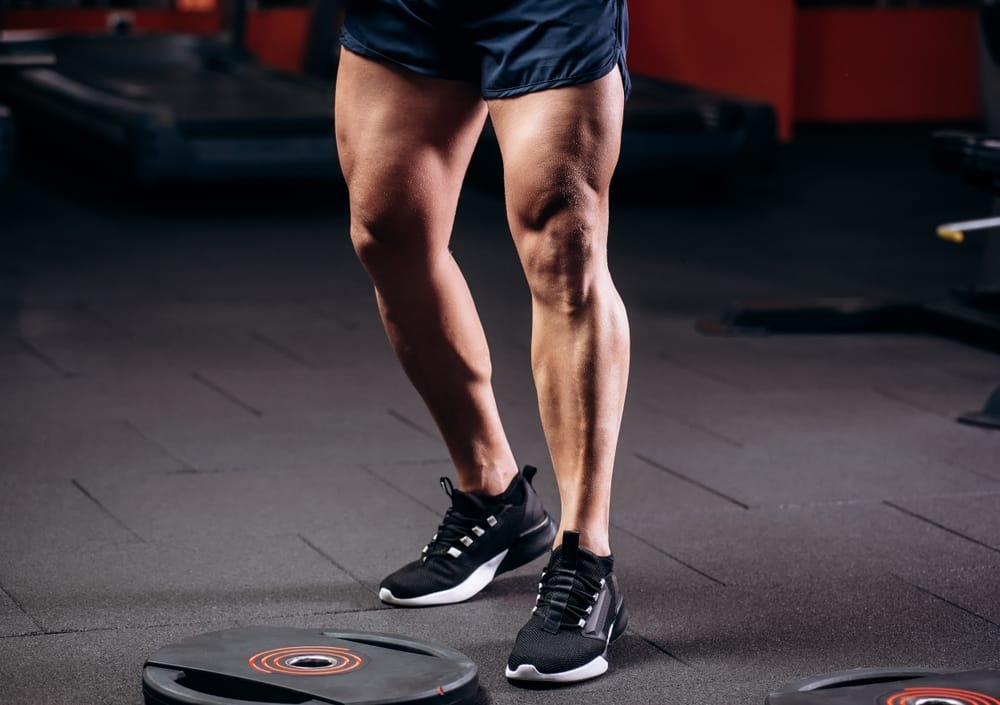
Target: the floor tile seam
pixel 175 540
pixel 796 582
pixel 280 348
pixel 79 307
pixel 689 480
pixel 968 494
pixel 942 527
pixel 412 425
pixel 91 312
pixel 284 353
pixel 424 462
pixel 38 354
pixel 677 418
pixel 962 468
pixel 195 471
pixel 97 630
pixel 971 567
pixel 694 369
pixel 315 307
pixel 326 556
pixel 911 404
pixel 653 643
pixel 938 415
pixel 325 613
pixel 166 625
pixel 88 546
pixel 951 603
pixel 221 391
pixel 147 439
pixel 433 510
pixel 20 607
pixel 974 376
pixel 950 463
pixel 24 635
pixel 107 512
pixel 831 503
pixel 669 555
pixel 874 501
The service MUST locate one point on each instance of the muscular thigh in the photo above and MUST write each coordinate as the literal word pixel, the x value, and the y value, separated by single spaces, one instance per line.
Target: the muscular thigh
pixel 560 148
pixel 405 141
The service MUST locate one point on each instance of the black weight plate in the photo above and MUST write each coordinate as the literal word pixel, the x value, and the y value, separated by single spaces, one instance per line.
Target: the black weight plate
pixel 282 665
pixel 892 687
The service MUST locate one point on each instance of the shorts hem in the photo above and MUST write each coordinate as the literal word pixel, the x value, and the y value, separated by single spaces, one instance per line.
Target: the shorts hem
pixel 350 42
pixel 561 82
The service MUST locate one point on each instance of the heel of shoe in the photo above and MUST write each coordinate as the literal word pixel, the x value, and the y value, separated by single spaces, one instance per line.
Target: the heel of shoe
pixel 530 546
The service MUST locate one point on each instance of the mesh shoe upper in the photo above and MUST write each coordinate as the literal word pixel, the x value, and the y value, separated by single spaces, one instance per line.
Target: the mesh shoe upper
pixel 474 530
pixel 577 607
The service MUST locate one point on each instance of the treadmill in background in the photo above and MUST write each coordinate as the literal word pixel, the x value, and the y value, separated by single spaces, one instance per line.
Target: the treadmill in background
pixel 174 107
pixel 687 129
pixel 9 65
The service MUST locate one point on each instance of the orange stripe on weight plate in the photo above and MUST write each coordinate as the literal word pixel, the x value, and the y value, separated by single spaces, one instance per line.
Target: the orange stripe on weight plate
pixel 308 661
pixel 914 696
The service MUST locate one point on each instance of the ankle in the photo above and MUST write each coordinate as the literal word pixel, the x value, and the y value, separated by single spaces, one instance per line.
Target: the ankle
pixel 488 481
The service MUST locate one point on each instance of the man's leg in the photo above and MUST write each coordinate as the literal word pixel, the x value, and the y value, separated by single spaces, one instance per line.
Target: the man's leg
pixel 560 148
pixel 405 142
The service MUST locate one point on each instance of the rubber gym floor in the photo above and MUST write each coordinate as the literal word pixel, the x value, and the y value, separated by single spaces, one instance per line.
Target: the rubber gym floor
pixel 202 426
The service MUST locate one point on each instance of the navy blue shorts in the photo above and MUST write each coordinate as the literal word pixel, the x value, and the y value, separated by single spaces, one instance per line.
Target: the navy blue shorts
pixel 506 47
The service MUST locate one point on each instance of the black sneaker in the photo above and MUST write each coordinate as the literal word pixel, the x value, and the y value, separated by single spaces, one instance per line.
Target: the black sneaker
pixel 480 537
pixel 578 612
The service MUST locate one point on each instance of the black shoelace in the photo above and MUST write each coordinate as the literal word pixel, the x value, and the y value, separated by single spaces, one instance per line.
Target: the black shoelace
pixel 456 531
pixel 566 598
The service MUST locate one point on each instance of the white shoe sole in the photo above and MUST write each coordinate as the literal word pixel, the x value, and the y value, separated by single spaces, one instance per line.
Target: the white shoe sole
pixel 597 667
pixel 479 579
pixel 527 672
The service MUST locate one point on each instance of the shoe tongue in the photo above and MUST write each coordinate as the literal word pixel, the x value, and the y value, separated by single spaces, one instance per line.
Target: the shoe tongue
pixel 570 547
pixel 570 555
pixel 469 505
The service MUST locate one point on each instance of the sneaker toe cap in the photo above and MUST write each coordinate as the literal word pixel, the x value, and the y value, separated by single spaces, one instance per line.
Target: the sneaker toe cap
pixel 410 581
pixel 553 653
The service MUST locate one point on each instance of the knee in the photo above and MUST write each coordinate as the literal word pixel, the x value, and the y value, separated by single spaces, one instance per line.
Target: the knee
pixel 370 243
pixel 561 263
pixel 560 231
pixel 384 237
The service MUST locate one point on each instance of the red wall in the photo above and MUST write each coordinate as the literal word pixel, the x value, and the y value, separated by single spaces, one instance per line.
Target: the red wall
pixel 277 36
pixel 96 20
pixel 887 65
pixel 741 46
pixel 834 65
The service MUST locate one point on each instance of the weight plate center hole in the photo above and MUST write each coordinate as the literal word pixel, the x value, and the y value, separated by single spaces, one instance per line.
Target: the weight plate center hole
pixel 321 661
pixel 938 701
